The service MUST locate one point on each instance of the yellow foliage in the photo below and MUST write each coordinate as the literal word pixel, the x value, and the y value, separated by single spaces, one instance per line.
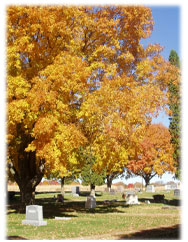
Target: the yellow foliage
pixel 79 77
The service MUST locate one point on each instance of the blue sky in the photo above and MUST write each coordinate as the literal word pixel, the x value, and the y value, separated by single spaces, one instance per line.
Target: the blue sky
pixel 166 32
pixel 166 29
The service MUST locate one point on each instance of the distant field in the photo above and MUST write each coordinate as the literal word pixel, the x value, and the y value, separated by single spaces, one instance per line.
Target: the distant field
pixel 57 188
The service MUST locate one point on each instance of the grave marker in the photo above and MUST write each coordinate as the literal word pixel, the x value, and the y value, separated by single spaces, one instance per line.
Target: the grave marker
pixel 75 190
pixel 90 202
pixel 132 199
pixel 150 188
pixel 177 192
pixel 34 216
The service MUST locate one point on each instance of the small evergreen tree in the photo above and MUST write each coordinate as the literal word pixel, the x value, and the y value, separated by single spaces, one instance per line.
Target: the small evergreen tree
pixel 175 118
pixel 88 175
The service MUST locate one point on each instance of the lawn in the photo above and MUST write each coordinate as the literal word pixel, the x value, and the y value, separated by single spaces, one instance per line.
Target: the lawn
pixel 111 219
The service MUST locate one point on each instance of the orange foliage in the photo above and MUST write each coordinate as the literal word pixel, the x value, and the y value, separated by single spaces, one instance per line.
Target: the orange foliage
pixel 78 76
pixel 155 152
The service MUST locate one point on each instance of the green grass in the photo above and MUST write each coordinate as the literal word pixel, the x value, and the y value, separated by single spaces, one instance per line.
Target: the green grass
pixel 105 219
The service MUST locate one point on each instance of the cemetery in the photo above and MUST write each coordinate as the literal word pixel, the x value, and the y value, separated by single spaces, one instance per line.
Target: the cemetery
pixel 75 217
pixel 83 88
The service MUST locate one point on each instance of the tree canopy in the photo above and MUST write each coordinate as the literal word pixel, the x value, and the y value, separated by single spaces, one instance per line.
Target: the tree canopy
pixel 79 77
pixel 155 154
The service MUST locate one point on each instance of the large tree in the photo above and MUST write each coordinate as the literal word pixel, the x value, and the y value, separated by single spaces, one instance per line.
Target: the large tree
pixel 154 154
pixel 45 82
pixel 78 77
pixel 175 117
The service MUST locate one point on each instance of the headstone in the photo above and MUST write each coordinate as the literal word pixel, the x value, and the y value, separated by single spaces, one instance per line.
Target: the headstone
pixel 177 192
pixel 60 198
pixel 158 198
pixel 75 190
pixel 150 188
pixel 90 202
pixel 132 199
pixel 34 216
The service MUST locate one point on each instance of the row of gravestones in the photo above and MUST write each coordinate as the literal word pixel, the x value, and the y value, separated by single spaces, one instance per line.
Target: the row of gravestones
pixel 151 188
pixel 34 213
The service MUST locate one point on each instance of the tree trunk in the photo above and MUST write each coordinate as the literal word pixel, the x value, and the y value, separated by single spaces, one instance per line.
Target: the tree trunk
pixel 29 176
pixel 109 182
pixel 26 169
pixel 63 186
pixel 92 187
pixel 147 180
pixel 27 195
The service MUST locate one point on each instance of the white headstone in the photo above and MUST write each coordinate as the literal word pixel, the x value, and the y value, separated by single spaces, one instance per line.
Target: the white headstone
pixel 132 199
pixel 34 216
pixel 150 188
pixel 90 202
pixel 75 190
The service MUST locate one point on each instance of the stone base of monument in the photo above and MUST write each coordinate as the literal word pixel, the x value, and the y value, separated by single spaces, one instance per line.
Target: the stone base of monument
pixel 34 222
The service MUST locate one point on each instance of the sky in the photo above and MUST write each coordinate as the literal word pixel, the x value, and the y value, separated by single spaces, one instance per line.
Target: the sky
pixel 166 32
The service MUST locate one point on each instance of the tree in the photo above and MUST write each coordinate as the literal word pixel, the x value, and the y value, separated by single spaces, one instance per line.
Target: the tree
pixel 88 175
pixel 45 84
pixel 78 77
pixel 175 117
pixel 155 154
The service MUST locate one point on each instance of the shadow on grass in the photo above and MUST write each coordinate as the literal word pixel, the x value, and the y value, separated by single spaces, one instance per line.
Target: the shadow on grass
pixel 53 209
pixel 66 208
pixel 15 237
pixel 158 233
pixel 87 193
pixel 172 202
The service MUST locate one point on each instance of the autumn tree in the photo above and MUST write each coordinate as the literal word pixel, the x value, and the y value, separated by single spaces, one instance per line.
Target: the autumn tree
pixel 175 117
pixel 45 84
pixel 155 154
pixel 78 77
